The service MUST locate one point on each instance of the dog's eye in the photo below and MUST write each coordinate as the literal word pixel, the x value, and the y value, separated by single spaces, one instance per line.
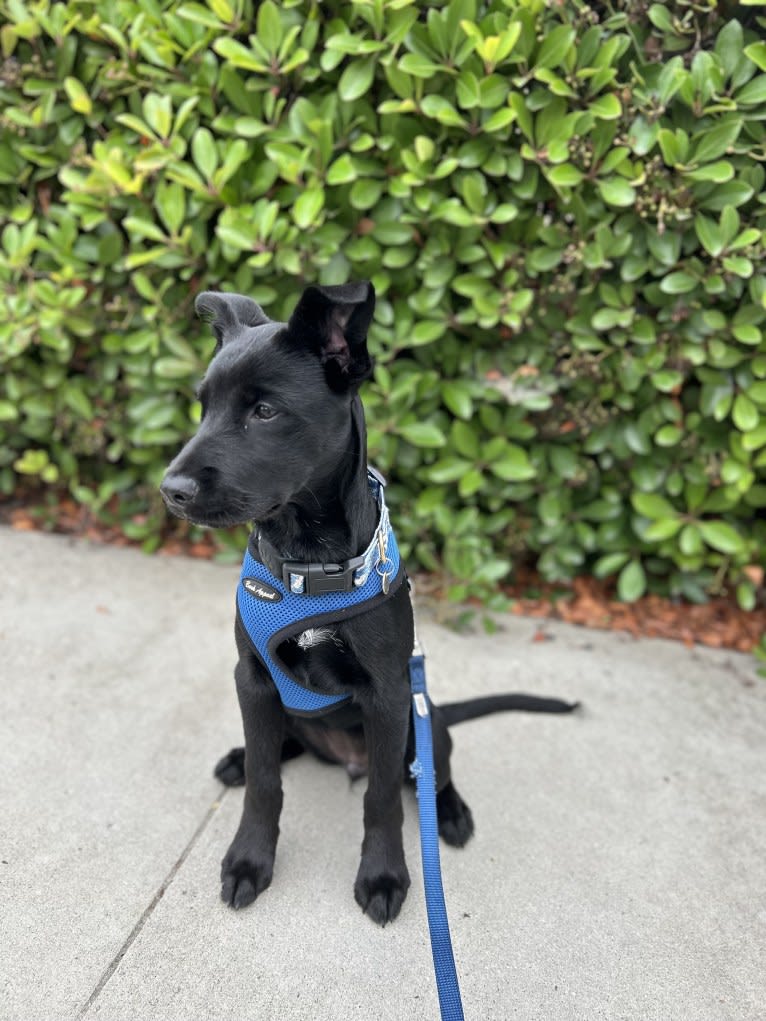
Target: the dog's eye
pixel 263 411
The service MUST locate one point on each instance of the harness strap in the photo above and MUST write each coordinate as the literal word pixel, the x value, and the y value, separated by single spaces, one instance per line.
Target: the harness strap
pixel 422 770
pixel 275 603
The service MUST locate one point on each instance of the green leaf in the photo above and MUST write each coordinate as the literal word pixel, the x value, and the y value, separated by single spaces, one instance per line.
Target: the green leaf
pixel 443 111
pixel 204 152
pixel 513 465
pixel 565 176
pixel 757 392
pixel 421 67
pixel 690 541
pixel 667 380
pixel 606 107
pixel 555 46
pixel 174 368
pixel 709 234
pixel 468 90
pixel 653 506
pixel 668 436
pixel 448 470
pixel 663 529
pixel 200 14
pixel 722 537
pixel 717 172
pixel 356 80
pixel 755 439
pixel 757 53
pixel 660 18
pixel 158 112
pixel 342 170
pixel 616 191
pixel 307 207
pixel 236 154
pixel 32 462
pixel 745 413
pixel 470 483
pixel 78 401
pixel 171 205
pixel 678 283
pixel 746 596
pixel 609 564
pixel 669 147
pixel 643 135
pixel 268 26
pixel 79 99
pixel 631 583
pixel 738 265
pixel 422 434
pixel 753 93
pixel 426 332
pixel 457 397
pixel 715 141
pixel 239 55
pixel 365 194
pixel 728 46
pixel 499 120
pixel 607 318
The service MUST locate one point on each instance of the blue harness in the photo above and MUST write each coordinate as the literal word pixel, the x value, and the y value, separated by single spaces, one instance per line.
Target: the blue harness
pixel 272 609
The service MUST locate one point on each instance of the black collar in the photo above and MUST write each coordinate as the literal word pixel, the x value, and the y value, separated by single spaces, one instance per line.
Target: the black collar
pixel 319 578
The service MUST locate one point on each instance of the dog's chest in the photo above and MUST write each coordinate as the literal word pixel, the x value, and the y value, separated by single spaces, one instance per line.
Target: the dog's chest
pixel 321 661
pixel 313 636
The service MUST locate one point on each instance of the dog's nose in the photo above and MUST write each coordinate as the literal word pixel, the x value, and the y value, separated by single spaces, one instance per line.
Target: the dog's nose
pixel 179 490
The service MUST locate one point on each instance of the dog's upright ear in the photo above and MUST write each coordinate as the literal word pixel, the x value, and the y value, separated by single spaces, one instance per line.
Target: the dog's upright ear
pixel 228 313
pixel 332 322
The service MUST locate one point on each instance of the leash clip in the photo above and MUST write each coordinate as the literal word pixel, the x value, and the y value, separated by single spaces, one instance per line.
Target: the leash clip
pixel 384 562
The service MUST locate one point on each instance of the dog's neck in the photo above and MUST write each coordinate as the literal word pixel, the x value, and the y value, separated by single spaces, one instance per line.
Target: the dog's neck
pixel 334 517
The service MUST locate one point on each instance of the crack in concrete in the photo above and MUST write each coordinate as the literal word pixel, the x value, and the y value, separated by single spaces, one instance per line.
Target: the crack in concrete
pixel 149 910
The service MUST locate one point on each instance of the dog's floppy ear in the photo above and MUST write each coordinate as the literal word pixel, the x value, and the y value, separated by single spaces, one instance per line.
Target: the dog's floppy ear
pixel 227 313
pixel 333 322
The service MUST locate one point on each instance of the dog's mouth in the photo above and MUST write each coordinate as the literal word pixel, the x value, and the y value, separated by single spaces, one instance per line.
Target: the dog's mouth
pixel 224 518
pixel 206 502
pixel 213 519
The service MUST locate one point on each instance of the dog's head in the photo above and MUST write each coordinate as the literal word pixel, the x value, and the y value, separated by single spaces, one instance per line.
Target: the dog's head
pixel 275 404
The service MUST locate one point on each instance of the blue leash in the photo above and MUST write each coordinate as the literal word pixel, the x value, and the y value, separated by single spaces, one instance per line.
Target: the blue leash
pixel 422 770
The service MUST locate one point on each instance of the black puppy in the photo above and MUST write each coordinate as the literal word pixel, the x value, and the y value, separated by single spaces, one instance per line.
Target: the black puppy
pixel 282 444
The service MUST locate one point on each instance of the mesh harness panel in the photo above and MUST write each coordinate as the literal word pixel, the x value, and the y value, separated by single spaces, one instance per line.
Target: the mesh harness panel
pixel 270 621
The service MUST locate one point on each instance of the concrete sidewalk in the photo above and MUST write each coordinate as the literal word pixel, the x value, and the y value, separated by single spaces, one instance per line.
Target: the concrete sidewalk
pixel 618 870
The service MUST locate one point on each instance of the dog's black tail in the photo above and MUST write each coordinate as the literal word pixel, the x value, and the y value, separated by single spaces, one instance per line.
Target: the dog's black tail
pixel 459 712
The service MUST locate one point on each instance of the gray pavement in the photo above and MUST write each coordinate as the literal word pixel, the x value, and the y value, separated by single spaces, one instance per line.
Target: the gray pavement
pixel 618 870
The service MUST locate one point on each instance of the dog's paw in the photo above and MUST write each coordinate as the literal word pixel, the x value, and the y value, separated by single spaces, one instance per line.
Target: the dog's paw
pixel 455 819
pixel 242 881
pixel 230 770
pixel 381 897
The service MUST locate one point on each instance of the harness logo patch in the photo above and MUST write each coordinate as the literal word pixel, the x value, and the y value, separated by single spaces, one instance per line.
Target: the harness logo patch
pixel 262 590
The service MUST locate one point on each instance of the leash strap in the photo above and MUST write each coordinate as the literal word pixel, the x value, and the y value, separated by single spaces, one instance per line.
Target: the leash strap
pixel 422 770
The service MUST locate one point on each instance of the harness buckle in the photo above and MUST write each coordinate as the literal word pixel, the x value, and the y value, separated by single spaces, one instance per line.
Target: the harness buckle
pixel 319 579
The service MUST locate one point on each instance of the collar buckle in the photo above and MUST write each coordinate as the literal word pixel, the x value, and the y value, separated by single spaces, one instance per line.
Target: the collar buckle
pixel 318 579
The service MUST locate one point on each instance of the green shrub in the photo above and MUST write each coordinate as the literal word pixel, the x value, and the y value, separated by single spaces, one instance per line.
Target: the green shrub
pixel 561 206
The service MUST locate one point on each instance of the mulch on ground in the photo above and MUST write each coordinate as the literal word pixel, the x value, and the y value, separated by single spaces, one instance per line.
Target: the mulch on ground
pixel 719 623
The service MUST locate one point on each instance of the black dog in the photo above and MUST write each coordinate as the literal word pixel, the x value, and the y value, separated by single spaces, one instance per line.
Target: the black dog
pixel 282 443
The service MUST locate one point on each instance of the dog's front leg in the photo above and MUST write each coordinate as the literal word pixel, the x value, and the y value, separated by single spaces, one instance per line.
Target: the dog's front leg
pixel 383 880
pixel 248 865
